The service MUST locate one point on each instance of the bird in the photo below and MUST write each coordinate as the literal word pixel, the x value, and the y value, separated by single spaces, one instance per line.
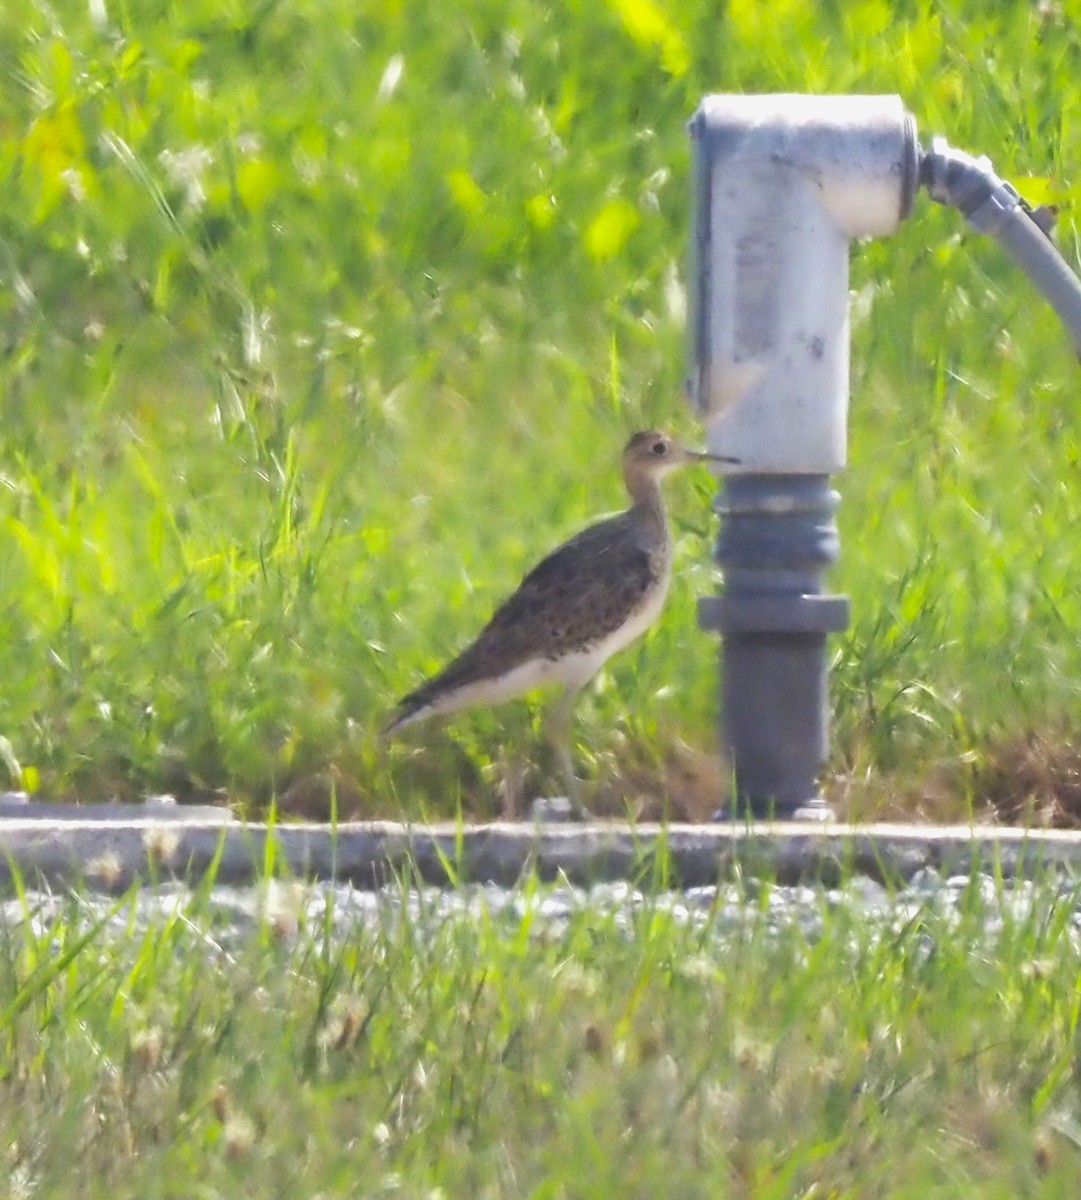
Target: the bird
pixel 587 600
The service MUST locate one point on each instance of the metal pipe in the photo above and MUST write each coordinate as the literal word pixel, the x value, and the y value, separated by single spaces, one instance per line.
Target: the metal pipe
pixel 994 207
pixel 778 538
pixel 783 183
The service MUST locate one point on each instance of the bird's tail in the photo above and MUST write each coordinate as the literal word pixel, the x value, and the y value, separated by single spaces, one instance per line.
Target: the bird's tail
pixel 413 707
pixel 397 722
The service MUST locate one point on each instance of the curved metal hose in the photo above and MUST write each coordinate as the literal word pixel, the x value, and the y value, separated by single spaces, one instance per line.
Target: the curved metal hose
pixel 994 207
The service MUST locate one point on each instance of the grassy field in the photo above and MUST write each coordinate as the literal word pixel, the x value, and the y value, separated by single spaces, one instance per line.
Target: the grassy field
pixel 320 322
pixel 504 1056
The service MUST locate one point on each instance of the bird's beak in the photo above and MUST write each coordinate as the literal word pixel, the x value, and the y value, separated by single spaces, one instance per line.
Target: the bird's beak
pixel 707 457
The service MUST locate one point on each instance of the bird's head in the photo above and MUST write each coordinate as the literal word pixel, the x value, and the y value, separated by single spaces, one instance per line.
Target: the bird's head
pixel 650 455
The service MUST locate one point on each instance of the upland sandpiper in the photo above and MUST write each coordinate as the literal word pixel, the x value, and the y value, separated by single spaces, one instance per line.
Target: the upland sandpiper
pixel 573 611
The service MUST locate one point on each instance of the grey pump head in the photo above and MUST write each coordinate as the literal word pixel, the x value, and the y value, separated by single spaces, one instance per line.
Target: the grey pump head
pixel 783 183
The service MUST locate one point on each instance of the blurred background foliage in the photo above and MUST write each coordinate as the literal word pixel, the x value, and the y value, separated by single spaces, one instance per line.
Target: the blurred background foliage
pixel 320 322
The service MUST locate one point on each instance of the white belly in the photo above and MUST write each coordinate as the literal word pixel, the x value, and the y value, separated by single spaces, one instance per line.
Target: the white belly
pixel 572 670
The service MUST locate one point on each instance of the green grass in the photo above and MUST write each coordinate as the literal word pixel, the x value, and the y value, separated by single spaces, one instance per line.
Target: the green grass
pixel 321 322
pixel 501 1055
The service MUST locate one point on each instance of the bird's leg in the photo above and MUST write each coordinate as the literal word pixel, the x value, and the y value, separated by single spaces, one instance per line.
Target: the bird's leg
pixel 558 736
pixel 511 774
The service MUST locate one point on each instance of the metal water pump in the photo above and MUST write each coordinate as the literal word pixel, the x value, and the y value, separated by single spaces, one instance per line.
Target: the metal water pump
pixel 783 183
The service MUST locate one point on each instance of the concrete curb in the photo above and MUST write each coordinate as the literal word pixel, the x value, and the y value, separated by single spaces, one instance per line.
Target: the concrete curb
pixel 111 854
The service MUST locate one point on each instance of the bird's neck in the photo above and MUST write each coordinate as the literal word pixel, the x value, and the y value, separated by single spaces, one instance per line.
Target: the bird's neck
pixel 645 492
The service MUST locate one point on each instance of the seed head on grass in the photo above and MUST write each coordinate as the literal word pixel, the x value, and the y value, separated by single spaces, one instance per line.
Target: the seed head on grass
pixel 21 1184
pixel 146 1047
pixel 238 1136
pixel 220 1104
pixel 238 1131
pixel 282 906
pixel 106 869
pixel 343 1024
pixel 162 843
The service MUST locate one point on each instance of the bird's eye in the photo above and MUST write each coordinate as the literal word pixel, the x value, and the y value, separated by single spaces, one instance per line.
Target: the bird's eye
pixel 659 447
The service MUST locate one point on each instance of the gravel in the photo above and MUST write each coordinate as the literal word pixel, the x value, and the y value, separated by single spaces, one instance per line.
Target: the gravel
pixel 227 917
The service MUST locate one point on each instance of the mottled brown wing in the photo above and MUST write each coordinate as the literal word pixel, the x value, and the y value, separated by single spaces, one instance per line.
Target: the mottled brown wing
pixel 578 594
